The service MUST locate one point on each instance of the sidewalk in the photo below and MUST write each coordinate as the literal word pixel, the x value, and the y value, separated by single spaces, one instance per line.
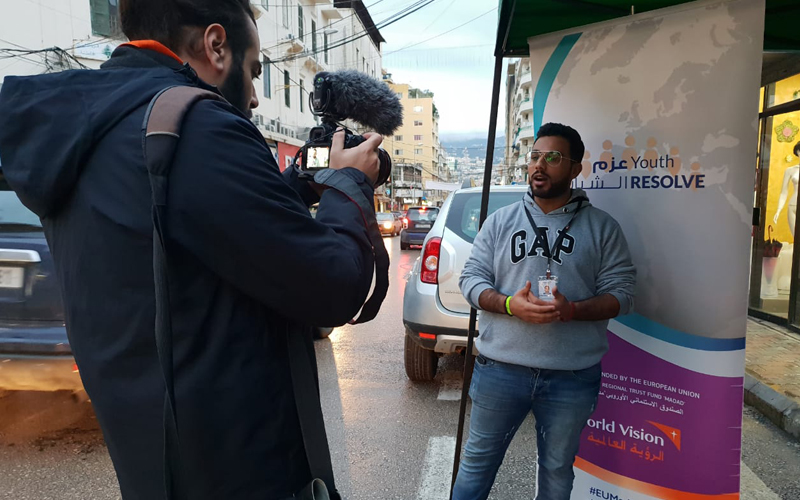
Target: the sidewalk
pixel 772 380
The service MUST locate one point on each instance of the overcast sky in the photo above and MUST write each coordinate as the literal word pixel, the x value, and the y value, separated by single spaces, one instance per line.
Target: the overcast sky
pixel 457 66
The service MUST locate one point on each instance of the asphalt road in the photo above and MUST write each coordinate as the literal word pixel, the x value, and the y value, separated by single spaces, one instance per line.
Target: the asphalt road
pixel 390 438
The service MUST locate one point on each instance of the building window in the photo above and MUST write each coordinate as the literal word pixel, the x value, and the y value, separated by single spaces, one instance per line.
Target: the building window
pixel 398 138
pixel 417 137
pixel 417 109
pixel 300 21
pixel 314 36
pixel 325 41
pixel 417 123
pixel 287 96
pixel 364 64
pixel 105 18
pixel 398 152
pixel 418 151
pixel 399 95
pixel 301 95
pixel 286 10
pixel 267 77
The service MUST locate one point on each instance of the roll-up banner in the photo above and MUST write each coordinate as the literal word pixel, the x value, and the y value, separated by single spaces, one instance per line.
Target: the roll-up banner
pixel 667 105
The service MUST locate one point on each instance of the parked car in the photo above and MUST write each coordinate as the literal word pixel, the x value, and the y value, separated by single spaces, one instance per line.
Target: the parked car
pixel 402 217
pixel 420 221
pixel 34 350
pixel 389 223
pixel 435 314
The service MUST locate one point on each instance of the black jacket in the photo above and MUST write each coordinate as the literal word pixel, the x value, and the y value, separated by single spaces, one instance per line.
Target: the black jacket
pixel 247 262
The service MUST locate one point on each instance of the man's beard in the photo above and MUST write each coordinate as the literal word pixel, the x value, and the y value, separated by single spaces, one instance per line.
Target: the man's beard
pixel 233 89
pixel 554 191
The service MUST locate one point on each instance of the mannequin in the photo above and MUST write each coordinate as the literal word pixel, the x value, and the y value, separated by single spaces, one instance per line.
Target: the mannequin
pixel 792 174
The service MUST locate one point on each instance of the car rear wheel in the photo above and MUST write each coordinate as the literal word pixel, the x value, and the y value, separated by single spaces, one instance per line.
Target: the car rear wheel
pixel 322 332
pixel 421 363
pixel 404 245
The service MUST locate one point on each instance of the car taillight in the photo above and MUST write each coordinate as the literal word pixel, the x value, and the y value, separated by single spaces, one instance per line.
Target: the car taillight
pixel 430 261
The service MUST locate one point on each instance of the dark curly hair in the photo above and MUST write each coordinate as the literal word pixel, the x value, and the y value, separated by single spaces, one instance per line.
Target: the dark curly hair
pixel 797 149
pixel 576 147
pixel 167 21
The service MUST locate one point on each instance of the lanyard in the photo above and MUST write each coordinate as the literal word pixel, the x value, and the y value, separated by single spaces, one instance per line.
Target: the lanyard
pixel 543 236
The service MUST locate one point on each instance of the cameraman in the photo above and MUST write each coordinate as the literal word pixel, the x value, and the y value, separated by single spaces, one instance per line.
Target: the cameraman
pixel 247 262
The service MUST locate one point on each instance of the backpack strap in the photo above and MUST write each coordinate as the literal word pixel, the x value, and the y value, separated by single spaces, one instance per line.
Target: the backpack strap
pixel 160 135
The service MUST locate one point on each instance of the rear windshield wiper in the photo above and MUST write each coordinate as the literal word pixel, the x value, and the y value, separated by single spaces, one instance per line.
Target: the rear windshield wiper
pixel 19 226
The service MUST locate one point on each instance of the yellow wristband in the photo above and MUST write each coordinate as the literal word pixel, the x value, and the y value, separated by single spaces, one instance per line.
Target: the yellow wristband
pixel 508 305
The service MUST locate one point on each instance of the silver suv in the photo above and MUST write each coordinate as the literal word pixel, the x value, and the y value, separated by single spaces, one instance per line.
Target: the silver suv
pixel 435 314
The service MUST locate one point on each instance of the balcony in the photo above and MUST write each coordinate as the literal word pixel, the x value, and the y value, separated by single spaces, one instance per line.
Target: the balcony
pixel 293 45
pixel 525 80
pixel 526 131
pixel 313 62
pixel 525 106
pixel 330 13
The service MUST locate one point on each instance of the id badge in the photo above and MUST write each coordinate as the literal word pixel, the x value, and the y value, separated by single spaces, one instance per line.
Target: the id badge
pixel 547 286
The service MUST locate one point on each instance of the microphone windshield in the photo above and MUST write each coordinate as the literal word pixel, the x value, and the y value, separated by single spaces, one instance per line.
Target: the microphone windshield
pixel 366 100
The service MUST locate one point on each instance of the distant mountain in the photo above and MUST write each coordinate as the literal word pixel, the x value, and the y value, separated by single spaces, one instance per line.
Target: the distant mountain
pixel 474 146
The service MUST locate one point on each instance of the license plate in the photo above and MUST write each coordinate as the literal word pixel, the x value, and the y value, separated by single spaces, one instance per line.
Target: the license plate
pixel 11 277
pixel 424 226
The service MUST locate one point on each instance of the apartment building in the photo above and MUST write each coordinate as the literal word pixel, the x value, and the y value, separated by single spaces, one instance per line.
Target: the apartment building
pixel 416 147
pixel 519 122
pixel 298 40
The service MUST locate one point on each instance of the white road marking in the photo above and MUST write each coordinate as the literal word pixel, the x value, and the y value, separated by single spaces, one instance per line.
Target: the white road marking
pixel 753 488
pixel 450 390
pixel 437 472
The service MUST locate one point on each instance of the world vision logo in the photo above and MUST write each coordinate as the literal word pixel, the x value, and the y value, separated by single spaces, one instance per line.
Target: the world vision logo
pixel 673 434
pixel 651 169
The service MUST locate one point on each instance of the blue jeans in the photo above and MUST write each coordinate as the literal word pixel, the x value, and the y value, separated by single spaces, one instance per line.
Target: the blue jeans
pixel 502 396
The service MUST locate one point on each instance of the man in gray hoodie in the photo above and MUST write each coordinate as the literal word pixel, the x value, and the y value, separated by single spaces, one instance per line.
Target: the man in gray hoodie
pixel 541 348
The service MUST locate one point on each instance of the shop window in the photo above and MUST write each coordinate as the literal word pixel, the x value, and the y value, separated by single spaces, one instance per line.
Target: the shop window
pixel 777 197
pixel 785 91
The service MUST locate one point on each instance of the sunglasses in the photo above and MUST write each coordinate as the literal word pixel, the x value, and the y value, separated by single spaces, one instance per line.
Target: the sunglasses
pixel 552 158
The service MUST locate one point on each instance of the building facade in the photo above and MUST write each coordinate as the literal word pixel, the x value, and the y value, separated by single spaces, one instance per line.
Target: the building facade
pixel 416 143
pixel 519 123
pixel 298 40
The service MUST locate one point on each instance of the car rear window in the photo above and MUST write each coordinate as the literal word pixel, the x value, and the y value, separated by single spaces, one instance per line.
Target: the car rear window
pixel 384 216
pixel 12 211
pixel 465 211
pixel 423 214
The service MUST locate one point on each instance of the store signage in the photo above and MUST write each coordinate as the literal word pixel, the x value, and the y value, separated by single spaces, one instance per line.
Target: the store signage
pixel 671 159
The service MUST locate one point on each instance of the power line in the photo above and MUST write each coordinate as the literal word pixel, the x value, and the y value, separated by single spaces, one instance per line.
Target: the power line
pixel 61 53
pixel 278 43
pixel 441 34
pixel 391 20
pixel 58 11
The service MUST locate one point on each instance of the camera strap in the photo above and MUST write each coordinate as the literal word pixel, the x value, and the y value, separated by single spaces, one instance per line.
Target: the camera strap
pixel 348 187
pixel 160 136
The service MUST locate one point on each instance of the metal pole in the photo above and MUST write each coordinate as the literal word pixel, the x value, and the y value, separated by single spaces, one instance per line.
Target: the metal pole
pixel 469 363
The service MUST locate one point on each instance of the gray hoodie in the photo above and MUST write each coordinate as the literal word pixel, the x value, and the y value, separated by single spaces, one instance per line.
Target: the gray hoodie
pixel 592 259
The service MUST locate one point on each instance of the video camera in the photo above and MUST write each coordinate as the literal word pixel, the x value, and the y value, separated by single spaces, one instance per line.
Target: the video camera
pixel 343 95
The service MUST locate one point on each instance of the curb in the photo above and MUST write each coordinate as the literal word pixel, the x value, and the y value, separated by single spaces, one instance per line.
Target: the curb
pixel 780 409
